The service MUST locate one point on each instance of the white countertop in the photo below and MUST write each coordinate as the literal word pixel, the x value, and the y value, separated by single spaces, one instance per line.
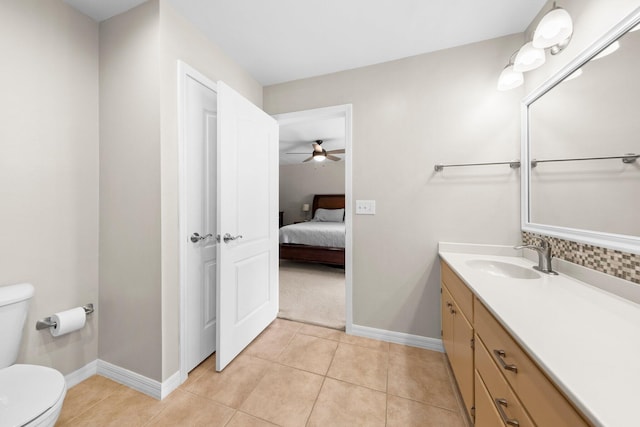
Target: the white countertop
pixel 584 338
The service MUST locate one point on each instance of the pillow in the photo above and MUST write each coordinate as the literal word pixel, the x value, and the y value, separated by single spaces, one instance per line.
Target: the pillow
pixel 329 215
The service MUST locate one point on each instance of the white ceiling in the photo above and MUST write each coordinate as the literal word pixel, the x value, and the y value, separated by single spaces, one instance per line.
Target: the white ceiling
pixel 283 40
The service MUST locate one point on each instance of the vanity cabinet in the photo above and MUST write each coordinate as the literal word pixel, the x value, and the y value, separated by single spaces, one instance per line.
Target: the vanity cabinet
pixel 457 332
pixel 499 382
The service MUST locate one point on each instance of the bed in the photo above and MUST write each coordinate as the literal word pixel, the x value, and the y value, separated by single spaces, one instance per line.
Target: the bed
pixel 316 241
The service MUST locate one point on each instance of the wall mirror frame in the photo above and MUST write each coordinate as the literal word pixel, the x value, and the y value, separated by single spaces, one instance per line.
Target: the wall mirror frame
pixel 621 242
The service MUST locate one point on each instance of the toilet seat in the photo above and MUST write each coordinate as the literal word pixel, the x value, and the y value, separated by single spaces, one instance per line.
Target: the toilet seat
pixel 28 392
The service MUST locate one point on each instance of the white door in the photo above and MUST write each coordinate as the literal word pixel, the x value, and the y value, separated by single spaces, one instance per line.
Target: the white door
pixel 200 173
pixel 247 286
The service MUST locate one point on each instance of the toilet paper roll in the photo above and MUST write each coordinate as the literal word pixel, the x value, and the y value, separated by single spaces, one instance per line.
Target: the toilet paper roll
pixel 68 321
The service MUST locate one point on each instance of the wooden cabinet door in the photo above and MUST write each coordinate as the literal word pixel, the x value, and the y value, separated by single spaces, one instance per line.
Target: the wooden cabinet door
pixel 447 322
pixel 463 355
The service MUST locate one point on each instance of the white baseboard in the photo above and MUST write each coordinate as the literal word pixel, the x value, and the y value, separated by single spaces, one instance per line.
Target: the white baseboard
pixel 139 382
pixel 79 375
pixel 172 383
pixel 398 338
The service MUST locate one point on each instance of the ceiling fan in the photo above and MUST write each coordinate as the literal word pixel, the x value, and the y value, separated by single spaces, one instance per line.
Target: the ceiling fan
pixel 319 154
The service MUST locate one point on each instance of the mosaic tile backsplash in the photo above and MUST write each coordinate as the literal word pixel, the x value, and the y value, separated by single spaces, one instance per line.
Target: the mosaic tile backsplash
pixel 615 263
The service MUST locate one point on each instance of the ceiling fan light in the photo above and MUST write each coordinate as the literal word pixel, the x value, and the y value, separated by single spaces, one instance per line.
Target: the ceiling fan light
pixel 319 156
pixel 528 58
pixel 509 79
pixel 554 27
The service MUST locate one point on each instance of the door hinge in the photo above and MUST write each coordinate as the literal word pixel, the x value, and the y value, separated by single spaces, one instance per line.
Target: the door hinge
pixel 441 333
pixel 473 343
pixel 473 414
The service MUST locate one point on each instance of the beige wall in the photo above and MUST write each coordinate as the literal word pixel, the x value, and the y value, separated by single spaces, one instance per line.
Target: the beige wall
pixel 180 40
pixel 299 183
pixel 49 171
pixel 130 264
pixel 408 115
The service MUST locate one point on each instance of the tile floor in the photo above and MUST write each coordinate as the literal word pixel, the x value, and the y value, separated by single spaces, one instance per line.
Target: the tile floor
pixel 291 375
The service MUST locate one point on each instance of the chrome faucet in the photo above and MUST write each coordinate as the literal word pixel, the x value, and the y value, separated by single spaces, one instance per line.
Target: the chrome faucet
pixel 544 256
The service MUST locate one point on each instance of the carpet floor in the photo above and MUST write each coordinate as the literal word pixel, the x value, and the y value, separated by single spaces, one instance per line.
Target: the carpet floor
pixel 312 293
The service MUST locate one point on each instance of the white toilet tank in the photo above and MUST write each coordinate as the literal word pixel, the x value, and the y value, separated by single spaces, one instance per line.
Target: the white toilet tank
pixel 14 305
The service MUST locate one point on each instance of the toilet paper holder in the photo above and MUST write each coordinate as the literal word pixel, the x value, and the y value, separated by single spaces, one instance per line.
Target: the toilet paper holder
pixel 48 323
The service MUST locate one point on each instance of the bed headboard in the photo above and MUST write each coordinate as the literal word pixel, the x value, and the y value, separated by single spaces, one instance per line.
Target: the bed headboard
pixel 327 201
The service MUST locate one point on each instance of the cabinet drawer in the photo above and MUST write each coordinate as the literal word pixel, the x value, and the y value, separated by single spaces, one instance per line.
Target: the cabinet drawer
pixel 459 291
pixel 544 402
pixel 486 413
pixel 501 394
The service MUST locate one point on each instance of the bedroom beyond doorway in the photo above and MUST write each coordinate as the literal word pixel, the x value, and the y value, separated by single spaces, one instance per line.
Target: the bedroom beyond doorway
pixel 315 216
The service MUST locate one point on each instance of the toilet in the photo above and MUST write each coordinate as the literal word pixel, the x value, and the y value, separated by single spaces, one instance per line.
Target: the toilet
pixel 30 395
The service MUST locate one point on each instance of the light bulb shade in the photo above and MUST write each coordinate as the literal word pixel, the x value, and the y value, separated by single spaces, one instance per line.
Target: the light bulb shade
pixel 509 79
pixel 554 28
pixel 576 73
pixel 528 58
pixel 319 156
pixel 608 51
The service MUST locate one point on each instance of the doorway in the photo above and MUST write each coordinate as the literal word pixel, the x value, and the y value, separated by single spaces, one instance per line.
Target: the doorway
pixel 296 208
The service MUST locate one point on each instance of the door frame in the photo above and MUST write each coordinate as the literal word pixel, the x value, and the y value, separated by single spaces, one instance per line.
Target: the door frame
pixel 344 111
pixel 185 72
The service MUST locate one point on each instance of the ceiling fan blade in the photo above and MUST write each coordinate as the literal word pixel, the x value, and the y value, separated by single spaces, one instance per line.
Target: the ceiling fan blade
pixel 316 147
pixel 341 151
pixel 297 153
pixel 334 158
pixel 306 160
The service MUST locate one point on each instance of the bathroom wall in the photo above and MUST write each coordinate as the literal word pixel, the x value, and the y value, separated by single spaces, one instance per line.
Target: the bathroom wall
pixel 408 115
pixel 591 19
pixel 130 232
pixel 49 171
pixel 299 183
pixel 139 266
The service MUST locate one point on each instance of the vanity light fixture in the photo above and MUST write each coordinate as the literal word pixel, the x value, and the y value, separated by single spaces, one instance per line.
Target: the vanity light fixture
pixel 529 58
pixel 554 30
pixel 509 78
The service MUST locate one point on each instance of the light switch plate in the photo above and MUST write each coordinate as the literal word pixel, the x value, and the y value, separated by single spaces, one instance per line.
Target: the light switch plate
pixel 365 207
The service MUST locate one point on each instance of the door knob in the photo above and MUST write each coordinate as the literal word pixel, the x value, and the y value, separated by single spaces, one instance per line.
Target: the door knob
pixel 195 237
pixel 227 237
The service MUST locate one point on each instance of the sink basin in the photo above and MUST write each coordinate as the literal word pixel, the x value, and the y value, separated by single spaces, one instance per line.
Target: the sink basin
pixel 503 269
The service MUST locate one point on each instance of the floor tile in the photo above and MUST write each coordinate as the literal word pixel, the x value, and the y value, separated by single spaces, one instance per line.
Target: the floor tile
pixel 365 342
pixel 407 413
pixel 344 404
pixel 129 408
pixel 286 324
pixel 86 394
pixel 361 366
pixel 234 384
pixel 207 364
pixel 270 343
pixel 284 396
pixel 320 332
pixel 240 419
pixel 426 381
pixel 415 354
pixel 187 409
pixel 309 353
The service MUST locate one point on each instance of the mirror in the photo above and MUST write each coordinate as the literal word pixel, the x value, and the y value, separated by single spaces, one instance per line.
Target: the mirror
pixel 581 146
